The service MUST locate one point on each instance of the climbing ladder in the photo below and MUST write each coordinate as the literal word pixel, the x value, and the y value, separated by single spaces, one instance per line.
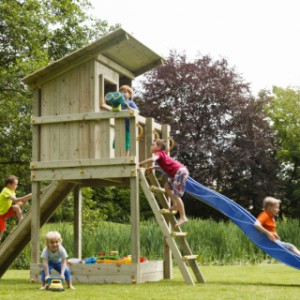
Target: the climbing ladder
pixel 174 237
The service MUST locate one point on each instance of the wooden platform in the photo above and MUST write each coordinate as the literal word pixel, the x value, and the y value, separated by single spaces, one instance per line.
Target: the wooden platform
pixel 101 273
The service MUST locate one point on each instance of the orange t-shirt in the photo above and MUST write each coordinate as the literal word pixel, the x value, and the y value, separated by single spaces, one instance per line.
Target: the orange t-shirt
pixel 267 221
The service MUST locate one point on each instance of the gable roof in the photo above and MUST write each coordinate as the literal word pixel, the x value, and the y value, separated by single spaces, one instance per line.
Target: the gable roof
pixel 118 46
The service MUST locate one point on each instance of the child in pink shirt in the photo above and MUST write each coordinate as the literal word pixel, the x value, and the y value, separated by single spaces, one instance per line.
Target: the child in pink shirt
pixel 178 175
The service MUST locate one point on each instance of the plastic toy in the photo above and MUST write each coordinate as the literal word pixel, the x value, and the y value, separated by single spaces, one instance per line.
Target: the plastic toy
pixel 113 255
pixel 115 100
pixel 90 260
pixel 55 284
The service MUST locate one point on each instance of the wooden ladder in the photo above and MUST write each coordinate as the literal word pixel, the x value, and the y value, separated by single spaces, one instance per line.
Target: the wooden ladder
pixel 174 237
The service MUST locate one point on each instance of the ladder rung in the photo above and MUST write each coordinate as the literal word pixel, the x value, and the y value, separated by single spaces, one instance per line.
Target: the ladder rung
pixel 179 233
pixel 157 189
pixel 166 211
pixel 190 257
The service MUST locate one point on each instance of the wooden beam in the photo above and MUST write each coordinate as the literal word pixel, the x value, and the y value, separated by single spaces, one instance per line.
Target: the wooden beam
pixel 116 67
pixel 92 116
pixel 82 163
pixel 77 222
pixel 84 173
pixel 35 222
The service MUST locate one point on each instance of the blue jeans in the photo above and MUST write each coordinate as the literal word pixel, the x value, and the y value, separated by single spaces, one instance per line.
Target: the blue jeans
pixel 57 267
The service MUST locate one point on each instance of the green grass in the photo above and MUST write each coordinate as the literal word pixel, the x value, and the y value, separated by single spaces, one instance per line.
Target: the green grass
pixel 271 281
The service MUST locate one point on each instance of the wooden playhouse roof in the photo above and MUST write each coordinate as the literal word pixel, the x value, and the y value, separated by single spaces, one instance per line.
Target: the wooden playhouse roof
pixel 118 46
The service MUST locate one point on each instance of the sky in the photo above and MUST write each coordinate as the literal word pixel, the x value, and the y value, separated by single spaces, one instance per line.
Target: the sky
pixel 258 38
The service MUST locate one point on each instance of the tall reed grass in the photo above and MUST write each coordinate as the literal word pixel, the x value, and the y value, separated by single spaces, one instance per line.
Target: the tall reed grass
pixel 214 242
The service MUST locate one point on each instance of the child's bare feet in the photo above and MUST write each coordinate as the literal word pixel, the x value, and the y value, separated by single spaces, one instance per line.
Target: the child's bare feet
pixel 181 222
pixel 71 287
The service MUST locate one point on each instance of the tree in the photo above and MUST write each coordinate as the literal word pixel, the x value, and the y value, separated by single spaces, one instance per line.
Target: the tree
pixel 220 131
pixel 284 112
pixel 32 34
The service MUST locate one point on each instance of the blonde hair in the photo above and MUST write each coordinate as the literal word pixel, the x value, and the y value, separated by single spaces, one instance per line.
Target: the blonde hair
pixel 52 235
pixel 270 201
pixel 126 88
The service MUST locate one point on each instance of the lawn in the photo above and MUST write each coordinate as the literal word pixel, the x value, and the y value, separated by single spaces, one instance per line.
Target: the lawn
pixel 272 281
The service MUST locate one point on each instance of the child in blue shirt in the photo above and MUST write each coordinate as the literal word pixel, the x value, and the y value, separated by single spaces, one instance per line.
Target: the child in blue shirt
pixel 54 257
pixel 127 93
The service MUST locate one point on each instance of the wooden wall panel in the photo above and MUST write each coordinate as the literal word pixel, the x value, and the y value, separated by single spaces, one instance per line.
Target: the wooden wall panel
pixel 74 108
pixel 84 106
pixel 63 82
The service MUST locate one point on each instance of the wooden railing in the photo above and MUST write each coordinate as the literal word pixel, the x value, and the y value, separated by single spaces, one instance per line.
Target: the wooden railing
pixel 65 142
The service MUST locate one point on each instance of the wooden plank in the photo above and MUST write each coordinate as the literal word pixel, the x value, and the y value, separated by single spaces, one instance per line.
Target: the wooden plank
pixel 73 109
pixel 116 67
pixel 77 222
pixel 36 138
pixel 93 126
pixel 135 219
pixel 107 273
pixel 64 108
pixel 120 138
pixel 165 134
pixel 84 107
pixel 35 222
pixel 149 136
pixel 84 117
pixel 106 139
pixel 84 173
pixel 133 128
pixel 83 163
pixel 45 133
pixel 54 109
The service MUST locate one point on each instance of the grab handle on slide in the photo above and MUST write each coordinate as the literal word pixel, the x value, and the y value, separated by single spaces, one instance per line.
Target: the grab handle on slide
pixel 172 144
pixel 156 134
pixel 141 131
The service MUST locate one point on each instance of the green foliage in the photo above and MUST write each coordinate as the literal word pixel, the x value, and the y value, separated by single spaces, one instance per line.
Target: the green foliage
pixel 284 112
pixel 218 243
pixel 91 213
pixel 33 33
pixel 221 133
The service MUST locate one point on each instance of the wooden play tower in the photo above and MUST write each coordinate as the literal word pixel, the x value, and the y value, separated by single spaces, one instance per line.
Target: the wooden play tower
pixel 73 132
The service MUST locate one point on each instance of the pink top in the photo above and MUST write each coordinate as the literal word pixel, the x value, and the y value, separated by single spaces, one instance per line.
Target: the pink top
pixel 169 165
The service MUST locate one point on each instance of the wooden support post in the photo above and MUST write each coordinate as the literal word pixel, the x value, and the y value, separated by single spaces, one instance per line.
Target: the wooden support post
pixel 149 135
pixel 168 264
pixel 36 186
pixel 35 222
pixel 133 149
pixel 135 225
pixel 77 222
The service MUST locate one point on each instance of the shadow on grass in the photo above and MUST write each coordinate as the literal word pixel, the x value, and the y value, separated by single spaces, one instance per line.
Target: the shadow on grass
pixel 263 284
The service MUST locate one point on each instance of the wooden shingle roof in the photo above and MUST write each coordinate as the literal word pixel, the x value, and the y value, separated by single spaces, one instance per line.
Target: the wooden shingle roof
pixel 118 46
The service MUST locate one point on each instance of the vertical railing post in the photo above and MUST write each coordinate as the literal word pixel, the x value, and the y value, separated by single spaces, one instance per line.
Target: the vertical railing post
pixel 78 222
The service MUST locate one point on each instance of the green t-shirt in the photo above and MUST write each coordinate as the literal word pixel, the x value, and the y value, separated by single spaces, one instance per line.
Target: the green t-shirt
pixel 5 201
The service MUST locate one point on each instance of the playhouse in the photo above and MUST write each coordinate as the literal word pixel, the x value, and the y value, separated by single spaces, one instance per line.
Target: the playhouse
pixel 73 131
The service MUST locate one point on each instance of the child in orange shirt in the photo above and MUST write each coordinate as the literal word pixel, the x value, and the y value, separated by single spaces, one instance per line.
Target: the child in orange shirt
pixel 266 223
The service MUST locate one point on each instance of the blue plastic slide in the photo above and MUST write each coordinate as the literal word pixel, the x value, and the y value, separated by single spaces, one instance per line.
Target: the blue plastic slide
pixel 243 219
